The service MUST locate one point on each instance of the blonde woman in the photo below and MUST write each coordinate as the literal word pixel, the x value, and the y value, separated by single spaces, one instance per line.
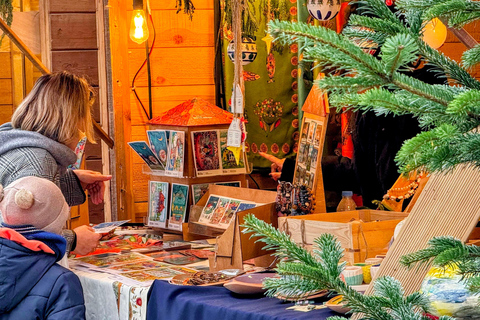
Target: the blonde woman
pixel 40 140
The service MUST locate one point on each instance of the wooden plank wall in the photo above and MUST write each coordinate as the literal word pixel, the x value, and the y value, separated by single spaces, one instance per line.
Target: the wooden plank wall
pixel 74 47
pixel 182 64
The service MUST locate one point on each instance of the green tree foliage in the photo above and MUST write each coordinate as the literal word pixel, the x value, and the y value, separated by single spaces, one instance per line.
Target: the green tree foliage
pixel 449 114
pixel 303 273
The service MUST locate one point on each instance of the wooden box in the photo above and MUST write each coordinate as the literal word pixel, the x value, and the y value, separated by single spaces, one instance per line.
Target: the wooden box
pixel 267 198
pixel 362 233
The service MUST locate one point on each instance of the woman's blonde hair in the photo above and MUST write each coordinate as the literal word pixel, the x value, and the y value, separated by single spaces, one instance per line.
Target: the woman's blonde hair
pixel 59 107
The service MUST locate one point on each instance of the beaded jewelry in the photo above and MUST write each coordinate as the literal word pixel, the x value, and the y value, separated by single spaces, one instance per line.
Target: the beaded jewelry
pixel 401 193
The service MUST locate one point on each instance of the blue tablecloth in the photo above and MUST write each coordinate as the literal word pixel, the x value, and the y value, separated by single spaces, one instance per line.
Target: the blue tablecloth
pixel 171 302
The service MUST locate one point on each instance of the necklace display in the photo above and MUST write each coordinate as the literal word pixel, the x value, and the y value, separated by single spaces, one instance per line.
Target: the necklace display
pixel 293 200
pixel 405 192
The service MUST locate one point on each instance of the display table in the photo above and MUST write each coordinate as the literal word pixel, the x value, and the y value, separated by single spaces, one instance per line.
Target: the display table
pixel 109 299
pixel 171 302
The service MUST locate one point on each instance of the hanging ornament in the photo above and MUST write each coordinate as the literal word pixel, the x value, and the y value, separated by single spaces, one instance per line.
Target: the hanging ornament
pixel 434 33
pixel 323 10
pixel 389 2
pixel 268 41
pixel 249 50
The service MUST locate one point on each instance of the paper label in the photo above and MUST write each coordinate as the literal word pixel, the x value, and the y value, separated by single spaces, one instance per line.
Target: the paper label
pixel 237 100
pixel 234 136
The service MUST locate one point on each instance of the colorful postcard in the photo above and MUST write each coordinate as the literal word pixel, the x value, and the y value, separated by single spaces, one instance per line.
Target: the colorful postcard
pixel 158 204
pixel 176 153
pixel 230 213
pixel 178 206
pixel 311 131
pixel 220 210
pixel 147 155
pixel 206 153
pixel 245 206
pixel 229 184
pixel 158 273
pixel 158 142
pixel 229 163
pixel 207 211
pixel 108 259
pixel 175 257
pixel 106 227
pixel 198 190
pixel 139 265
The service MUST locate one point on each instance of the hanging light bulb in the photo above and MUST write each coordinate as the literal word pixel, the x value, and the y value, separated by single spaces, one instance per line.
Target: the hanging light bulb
pixel 138 26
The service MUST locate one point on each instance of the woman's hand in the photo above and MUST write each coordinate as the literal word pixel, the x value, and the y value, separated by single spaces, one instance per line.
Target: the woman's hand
pixel 87 239
pixel 276 167
pixel 94 183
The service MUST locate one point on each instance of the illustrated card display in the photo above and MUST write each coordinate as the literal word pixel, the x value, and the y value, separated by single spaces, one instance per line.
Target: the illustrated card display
pixel 212 156
pixel 176 153
pixel 157 273
pixel 108 259
pixel 147 155
pixel 106 227
pixel 198 190
pixel 158 204
pixel 178 206
pixel 229 184
pixel 308 152
pixel 206 153
pixel 157 139
pixel 207 211
pixel 229 163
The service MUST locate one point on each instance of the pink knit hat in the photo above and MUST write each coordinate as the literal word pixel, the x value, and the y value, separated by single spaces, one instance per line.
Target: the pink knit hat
pixel 34 201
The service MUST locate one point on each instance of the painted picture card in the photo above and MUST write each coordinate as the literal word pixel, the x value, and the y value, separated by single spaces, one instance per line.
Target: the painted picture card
pixel 207 211
pixel 158 142
pixel 178 206
pixel 229 163
pixel 147 155
pixel 206 153
pixel 198 191
pixel 158 204
pixel 176 153
pixel 106 227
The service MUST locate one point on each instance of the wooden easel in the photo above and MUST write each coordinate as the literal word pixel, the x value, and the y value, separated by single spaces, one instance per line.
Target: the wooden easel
pixel 234 247
pixel 316 109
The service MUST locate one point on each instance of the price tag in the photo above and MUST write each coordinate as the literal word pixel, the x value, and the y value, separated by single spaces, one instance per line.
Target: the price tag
pixel 234 134
pixel 238 100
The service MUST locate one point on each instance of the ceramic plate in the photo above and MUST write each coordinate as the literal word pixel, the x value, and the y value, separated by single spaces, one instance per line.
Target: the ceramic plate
pixel 181 280
pixel 336 304
pixel 251 283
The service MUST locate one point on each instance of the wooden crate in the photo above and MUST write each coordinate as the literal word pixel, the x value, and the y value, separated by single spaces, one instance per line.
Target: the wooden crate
pixel 362 233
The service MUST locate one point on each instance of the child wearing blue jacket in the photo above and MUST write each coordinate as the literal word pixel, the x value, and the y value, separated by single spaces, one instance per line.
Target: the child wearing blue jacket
pixel 32 284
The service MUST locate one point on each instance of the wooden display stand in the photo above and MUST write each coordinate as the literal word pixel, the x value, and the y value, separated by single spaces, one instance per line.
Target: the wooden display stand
pixel 315 109
pixel 189 173
pixel 234 247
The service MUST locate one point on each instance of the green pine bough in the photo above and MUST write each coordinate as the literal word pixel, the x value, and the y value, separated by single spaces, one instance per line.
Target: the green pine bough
pixel 303 272
pixel 448 114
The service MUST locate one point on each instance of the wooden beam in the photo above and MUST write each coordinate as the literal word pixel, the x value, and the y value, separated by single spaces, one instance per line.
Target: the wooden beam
pixel 461 35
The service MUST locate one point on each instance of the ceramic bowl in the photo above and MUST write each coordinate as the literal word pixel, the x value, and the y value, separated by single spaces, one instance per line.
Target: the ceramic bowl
pixel 336 304
pixel 251 283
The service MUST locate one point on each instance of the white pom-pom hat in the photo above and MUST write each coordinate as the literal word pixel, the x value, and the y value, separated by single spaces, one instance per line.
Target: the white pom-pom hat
pixel 34 201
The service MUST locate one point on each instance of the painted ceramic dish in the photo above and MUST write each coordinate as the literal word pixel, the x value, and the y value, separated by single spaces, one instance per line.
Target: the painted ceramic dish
pixel 251 283
pixel 337 304
pixel 200 279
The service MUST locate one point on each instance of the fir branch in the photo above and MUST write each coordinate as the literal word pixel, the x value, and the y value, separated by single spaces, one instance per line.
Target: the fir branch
pixel 398 52
pixel 471 57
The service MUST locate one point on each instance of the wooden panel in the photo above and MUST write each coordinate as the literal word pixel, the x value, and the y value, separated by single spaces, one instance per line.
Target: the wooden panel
pixel 174 66
pixel 73 31
pixel 5 65
pixel 170 5
pixel 6 91
pixel 6 112
pixel 27 27
pixel 165 98
pixel 72 6
pixel 82 63
pixel 93 151
pixel 177 30
pixel 96 107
